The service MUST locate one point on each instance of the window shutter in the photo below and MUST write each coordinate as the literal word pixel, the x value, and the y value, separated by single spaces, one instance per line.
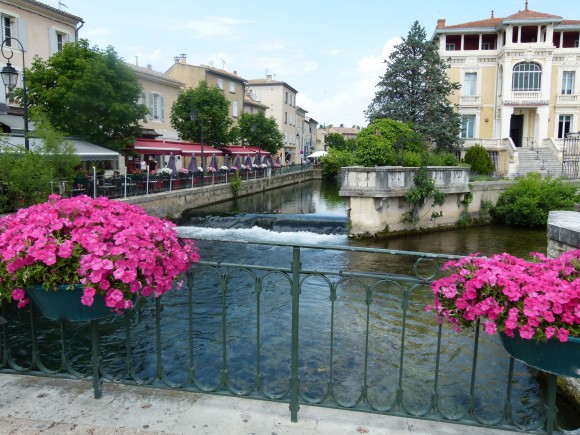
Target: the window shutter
pixel 22 32
pixel 162 108
pixel 151 114
pixel 52 47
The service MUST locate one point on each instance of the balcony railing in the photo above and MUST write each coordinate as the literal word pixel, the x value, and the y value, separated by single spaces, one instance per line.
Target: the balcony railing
pixel 355 339
pixel 470 100
pixel 568 99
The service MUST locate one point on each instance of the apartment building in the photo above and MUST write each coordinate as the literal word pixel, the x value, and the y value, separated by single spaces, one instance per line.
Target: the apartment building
pixel 518 82
pixel 280 98
pixel 231 83
pixel 34 29
pixel 160 91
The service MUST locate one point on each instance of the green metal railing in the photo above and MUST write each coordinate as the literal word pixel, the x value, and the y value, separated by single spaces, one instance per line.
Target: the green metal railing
pixel 350 339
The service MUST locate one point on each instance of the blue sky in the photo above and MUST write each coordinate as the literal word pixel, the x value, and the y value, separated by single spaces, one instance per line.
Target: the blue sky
pixel 331 52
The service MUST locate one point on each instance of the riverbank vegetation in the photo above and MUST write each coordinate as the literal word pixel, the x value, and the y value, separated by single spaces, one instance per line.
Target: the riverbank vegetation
pixel 528 202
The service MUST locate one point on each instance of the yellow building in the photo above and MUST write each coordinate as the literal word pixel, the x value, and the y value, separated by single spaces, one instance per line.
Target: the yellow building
pixel 518 85
pixel 233 86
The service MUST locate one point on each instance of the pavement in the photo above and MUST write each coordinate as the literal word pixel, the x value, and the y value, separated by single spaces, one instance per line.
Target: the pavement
pixel 32 405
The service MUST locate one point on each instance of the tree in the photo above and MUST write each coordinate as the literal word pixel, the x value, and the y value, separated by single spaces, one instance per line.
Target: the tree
pixel 87 93
pixel 257 130
pixel 212 109
pixel 28 177
pixel 386 142
pixel 415 90
pixel 335 140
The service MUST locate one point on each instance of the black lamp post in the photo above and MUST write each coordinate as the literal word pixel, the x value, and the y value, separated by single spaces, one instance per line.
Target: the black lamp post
pixel 10 79
pixel 299 149
pixel 193 115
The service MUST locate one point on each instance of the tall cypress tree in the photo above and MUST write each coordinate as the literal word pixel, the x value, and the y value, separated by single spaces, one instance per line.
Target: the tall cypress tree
pixel 415 90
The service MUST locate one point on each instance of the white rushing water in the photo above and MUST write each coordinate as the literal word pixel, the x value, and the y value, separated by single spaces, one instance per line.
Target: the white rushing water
pixel 257 234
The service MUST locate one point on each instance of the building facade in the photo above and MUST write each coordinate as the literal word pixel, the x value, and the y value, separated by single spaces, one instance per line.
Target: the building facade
pixel 33 29
pixel 518 77
pixel 160 91
pixel 233 86
pixel 280 98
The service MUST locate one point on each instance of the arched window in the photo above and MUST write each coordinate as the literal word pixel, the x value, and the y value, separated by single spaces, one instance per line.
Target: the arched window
pixel 527 77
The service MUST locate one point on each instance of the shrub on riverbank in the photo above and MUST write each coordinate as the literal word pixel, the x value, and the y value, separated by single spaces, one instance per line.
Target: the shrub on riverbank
pixel 528 202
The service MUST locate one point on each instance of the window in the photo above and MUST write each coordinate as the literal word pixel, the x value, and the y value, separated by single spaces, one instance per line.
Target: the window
pixel 7 29
pixel 235 109
pixel 59 41
pixel 485 46
pixel 285 117
pixel 470 84
pixel 232 87
pixel 450 47
pixel 468 126
pixel 286 97
pixel 156 107
pixel 527 77
pixel 568 82
pixel 564 125
pixel 220 83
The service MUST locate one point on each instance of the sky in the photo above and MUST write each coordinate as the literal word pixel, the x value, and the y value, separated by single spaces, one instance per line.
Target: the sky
pixel 331 52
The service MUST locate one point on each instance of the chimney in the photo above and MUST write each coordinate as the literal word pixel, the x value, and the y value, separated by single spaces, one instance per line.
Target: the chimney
pixel 176 59
pixel 183 58
pixel 235 73
pixel 149 66
pixel 268 76
pixel 440 23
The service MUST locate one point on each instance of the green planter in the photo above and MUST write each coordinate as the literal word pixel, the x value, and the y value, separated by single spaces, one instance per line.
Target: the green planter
pixel 552 356
pixel 66 304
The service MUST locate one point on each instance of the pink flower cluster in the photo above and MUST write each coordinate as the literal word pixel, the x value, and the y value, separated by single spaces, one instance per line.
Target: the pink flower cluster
pixel 539 299
pixel 112 248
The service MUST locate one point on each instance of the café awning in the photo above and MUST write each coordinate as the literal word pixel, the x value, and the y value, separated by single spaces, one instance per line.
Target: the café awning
pixel 166 147
pixel 85 150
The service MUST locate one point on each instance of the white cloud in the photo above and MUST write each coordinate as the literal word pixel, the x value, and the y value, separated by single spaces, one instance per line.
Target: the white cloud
pixel 212 26
pixel 374 64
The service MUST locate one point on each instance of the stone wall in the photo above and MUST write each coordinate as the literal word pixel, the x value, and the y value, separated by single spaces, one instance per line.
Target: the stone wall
pixel 172 204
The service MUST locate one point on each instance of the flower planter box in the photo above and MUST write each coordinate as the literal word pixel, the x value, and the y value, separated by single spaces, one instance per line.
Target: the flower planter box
pixel 552 356
pixel 65 304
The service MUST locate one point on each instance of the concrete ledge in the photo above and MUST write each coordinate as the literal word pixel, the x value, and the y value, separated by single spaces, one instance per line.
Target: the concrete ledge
pixel 564 227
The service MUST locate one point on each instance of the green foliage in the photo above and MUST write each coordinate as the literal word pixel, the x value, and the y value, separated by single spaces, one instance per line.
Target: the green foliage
pixel 26 177
pixel 212 115
pixel 528 202
pixel 236 183
pixel 259 131
pixel 467 199
pixel 384 141
pixel 334 161
pixel 485 209
pixel 336 141
pixel 87 93
pixel 479 160
pixel 424 187
pixel 414 90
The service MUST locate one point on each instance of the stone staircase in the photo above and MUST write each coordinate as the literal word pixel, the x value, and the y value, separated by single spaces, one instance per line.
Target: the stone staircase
pixel 540 160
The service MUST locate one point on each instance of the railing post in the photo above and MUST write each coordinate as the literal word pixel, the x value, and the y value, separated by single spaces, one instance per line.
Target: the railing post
pixel 295 292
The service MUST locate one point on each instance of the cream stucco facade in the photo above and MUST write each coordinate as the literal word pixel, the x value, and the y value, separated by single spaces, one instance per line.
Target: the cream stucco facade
pixel 519 79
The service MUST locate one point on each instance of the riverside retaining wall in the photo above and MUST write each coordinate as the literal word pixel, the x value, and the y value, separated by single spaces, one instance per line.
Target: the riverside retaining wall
pixel 172 204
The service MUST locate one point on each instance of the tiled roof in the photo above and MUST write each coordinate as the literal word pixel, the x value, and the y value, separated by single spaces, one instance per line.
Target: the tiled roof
pixel 153 74
pixel 531 15
pixel 494 22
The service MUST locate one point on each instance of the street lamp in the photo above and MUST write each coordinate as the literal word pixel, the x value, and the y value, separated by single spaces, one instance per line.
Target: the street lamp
pixel 299 149
pixel 10 79
pixel 193 115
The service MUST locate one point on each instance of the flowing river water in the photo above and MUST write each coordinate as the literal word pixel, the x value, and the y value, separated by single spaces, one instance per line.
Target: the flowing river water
pixel 314 213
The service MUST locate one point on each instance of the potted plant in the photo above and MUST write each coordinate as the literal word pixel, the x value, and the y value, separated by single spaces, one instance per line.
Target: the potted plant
pixel 97 253
pixel 533 305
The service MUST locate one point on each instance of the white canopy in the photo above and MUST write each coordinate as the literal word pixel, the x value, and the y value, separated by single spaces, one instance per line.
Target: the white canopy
pixel 317 154
pixel 85 150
